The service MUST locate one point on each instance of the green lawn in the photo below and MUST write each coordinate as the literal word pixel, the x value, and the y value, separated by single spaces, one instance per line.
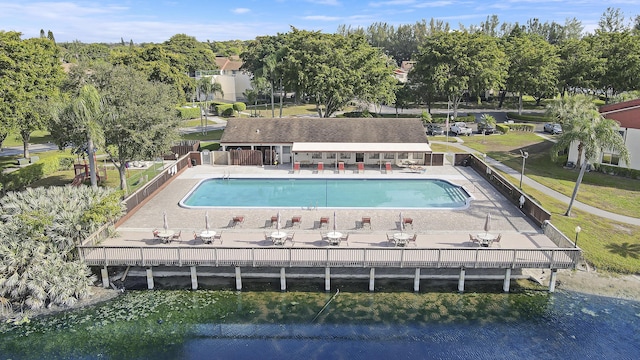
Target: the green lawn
pixel 612 193
pixel 37 137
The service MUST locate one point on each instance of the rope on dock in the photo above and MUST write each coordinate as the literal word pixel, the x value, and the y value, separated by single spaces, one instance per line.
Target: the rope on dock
pixel 325 305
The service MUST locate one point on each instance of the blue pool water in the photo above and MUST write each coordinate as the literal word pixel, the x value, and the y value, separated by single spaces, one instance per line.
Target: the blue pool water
pixel 340 193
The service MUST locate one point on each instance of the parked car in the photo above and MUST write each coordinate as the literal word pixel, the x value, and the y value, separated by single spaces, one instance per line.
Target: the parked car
pixel 485 128
pixel 553 128
pixel 460 128
pixel 435 129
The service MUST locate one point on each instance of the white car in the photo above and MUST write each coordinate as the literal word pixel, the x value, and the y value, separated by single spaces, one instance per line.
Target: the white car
pixel 460 128
pixel 553 128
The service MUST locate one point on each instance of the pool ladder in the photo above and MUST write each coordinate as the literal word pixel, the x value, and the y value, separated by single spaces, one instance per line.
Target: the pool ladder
pixel 226 176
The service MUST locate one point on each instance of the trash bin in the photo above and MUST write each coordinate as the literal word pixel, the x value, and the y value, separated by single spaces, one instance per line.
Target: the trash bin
pixel 193 162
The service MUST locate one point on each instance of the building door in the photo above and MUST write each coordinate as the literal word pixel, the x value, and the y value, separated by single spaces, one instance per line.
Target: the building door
pixel 359 157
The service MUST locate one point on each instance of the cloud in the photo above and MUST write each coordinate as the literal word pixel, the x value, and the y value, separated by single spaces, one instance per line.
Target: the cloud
pixel 240 10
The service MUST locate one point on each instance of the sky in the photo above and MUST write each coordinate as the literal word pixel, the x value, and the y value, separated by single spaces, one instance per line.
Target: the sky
pixel 156 21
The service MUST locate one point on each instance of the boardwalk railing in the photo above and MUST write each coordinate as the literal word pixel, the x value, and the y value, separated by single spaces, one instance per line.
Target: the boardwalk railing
pixel 479 258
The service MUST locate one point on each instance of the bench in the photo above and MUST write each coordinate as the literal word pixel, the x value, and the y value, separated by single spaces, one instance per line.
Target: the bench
pixel 23 161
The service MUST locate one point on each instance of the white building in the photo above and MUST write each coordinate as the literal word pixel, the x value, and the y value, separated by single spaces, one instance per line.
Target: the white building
pixel 234 82
pixel 627 114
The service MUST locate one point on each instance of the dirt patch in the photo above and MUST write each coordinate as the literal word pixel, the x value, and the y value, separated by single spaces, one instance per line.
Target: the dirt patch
pixel 603 284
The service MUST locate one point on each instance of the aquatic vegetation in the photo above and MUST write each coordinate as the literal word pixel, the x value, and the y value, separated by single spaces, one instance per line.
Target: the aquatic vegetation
pixel 141 324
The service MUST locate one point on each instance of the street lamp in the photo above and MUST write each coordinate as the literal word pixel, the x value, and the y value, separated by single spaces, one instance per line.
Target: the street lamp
pixel 577 229
pixel 524 155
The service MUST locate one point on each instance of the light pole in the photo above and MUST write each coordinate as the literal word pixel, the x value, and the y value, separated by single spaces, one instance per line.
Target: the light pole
pixel 524 155
pixel 578 229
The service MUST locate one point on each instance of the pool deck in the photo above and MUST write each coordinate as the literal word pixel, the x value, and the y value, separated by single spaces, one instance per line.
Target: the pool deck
pixel 436 228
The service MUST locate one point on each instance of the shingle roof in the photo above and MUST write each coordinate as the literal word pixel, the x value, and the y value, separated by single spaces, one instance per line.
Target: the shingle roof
pixel 318 130
pixel 626 113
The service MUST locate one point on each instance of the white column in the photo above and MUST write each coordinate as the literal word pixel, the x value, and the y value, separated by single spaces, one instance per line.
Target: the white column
pixel 194 278
pixel 150 284
pixel 461 281
pixel 283 280
pixel 327 279
pixel 238 279
pixel 416 281
pixel 372 278
pixel 507 280
pixel 552 280
pixel 105 277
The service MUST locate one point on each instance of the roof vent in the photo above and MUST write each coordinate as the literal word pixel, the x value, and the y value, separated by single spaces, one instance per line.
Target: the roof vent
pixel 257 131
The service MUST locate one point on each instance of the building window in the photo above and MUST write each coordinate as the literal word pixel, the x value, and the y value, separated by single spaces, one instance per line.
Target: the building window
pixel 316 155
pixel 286 149
pixel 330 156
pixel 403 156
pixel 418 156
pixel 389 156
pixel 374 156
pixel 609 156
pixel 345 156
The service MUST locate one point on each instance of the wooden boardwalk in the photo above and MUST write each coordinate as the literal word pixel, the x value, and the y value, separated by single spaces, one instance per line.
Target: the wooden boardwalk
pixel 442 235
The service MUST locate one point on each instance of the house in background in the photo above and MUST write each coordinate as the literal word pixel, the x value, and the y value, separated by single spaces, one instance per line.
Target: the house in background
pixel 371 141
pixel 234 82
pixel 627 114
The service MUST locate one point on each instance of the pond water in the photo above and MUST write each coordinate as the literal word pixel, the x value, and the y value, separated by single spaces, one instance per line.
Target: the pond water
pixel 207 324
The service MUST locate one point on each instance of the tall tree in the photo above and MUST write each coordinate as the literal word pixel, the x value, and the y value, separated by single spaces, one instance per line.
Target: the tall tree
pixel 335 69
pixel 31 73
pixel 197 55
pixel 78 123
pixel 451 64
pixel 206 86
pixel 533 66
pixel 141 121
pixel 583 124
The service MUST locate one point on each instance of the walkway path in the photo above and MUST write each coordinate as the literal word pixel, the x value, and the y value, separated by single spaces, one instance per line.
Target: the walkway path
pixel 536 185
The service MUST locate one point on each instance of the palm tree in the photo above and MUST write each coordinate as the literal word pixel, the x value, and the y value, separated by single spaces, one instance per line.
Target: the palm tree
pixel 83 114
pixel 206 86
pixel 582 123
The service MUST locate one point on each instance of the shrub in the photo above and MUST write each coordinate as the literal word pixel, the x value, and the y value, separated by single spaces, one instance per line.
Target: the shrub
pixel 21 178
pixel 210 147
pixel 224 109
pixel 188 113
pixel 617 170
pixel 527 117
pixel 239 106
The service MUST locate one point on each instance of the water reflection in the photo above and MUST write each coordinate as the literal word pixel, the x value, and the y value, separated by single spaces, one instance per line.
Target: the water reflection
pixel 269 325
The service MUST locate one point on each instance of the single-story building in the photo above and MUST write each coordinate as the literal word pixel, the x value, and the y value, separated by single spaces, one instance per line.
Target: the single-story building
pixel 627 114
pixel 371 141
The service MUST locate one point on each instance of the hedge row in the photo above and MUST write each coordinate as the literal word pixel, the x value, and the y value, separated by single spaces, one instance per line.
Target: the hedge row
pixel 224 109
pixel 527 117
pixel 617 170
pixel 188 113
pixel 19 179
pixel 506 127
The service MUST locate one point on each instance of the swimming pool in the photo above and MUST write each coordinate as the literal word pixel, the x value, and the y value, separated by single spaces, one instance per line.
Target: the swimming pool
pixel 327 193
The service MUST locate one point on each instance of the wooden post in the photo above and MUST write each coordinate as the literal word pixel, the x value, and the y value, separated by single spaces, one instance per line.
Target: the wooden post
pixel 327 279
pixel 194 278
pixel 283 280
pixel 416 281
pixel 372 278
pixel 461 281
pixel 105 277
pixel 150 284
pixel 507 280
pixel 238 278
pixel 552 280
